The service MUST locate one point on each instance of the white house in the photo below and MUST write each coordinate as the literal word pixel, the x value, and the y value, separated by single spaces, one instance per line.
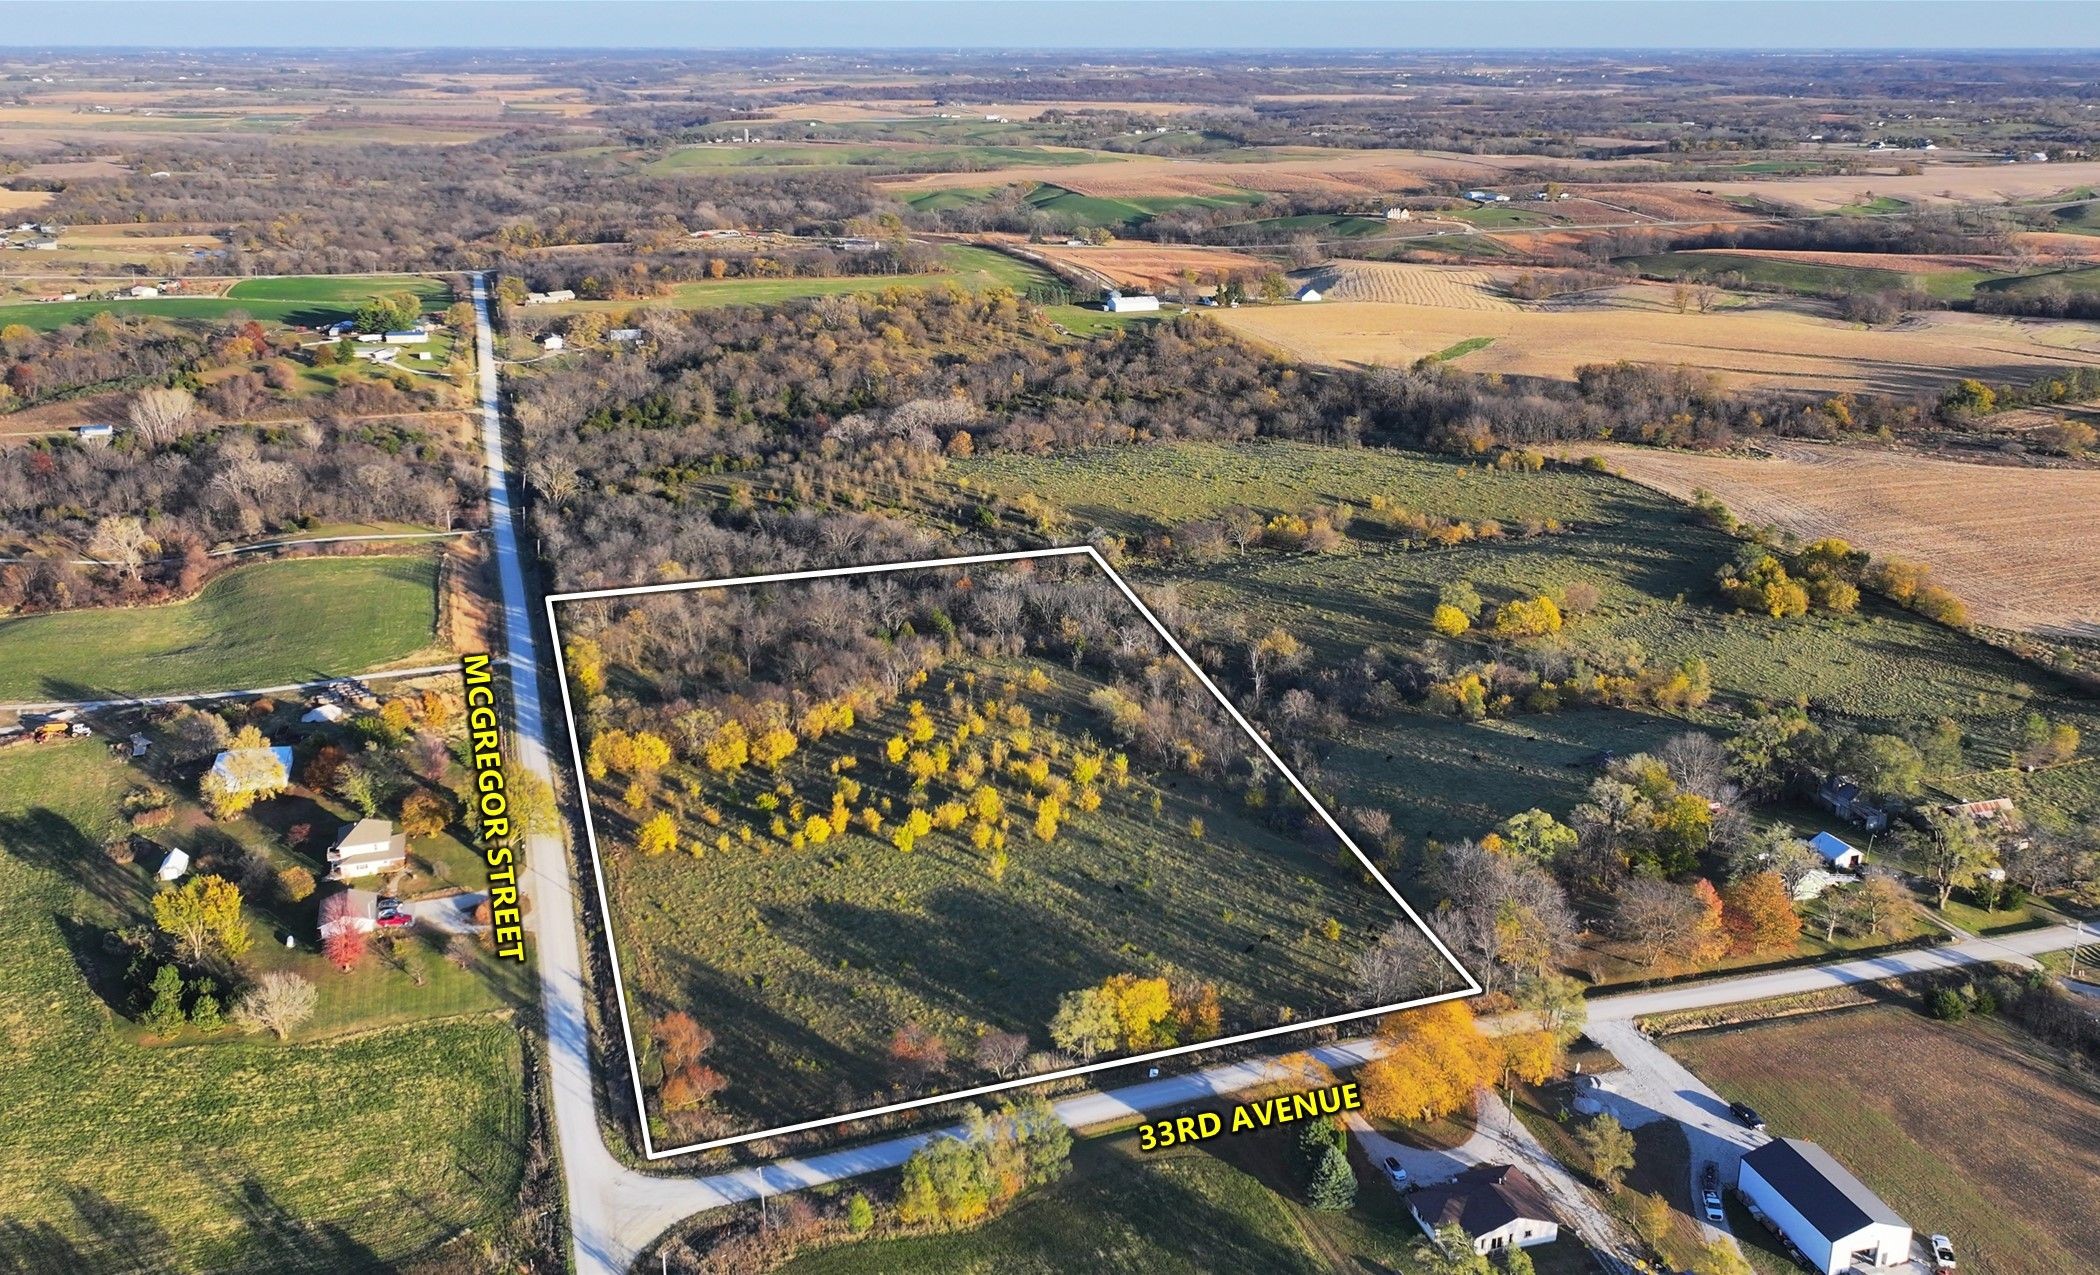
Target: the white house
pixel 552 341
pixel 1128 303
pixel 1496 1205
pixel 1308 294
pixel 352 911
pixel 1837 852
pixel 1825 1212
pixel 144 290
pixel 1483 196
pixel 172 867
pixel 367 848
pixel 1399 214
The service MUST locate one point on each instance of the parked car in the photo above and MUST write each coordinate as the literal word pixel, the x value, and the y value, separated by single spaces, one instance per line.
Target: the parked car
pixel 1746 1113
pixel 1712 1201
pixel 1396 1174
pixel 390 915
pixel 1942 1253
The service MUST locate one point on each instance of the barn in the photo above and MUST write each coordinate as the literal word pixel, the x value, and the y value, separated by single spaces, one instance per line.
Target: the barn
pixel 1821 1209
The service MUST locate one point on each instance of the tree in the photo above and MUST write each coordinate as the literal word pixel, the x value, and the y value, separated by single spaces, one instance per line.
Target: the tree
pixel 202 915
pixel 425 813
pixel 1557 1002
pixel 1333 1186
pixel 1142 1005
pixel 860 1215
pixel 917 1055
pixel 1451 1252
pixel 278 1003
pixel 1527 617
pixel 658 834
pixel 163 1016
pixel 1002 1053
pixel 295 884
pixel 1609 1147
pixel 345 948
pixel 251 772
pixel 1436 1057
pixel 1758 912
pixel 1086 1022
pixel 1536 834
pixel 1659 919
pixel 1954 852
pixel 160 416
pixel 122 542
pixel 1719 1257
pixel 946 1181
pixel 391 312
pixel 1449 621
pixel 1879 901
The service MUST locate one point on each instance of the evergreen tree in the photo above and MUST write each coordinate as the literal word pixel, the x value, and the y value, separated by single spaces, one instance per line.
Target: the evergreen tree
pixel 1333 1187
pixel 164 1016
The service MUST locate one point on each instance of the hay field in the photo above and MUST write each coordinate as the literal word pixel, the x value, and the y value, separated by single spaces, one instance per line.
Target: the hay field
pixel 1986 183
pixel 2016 544
pixel 24 200
pixel 1754 341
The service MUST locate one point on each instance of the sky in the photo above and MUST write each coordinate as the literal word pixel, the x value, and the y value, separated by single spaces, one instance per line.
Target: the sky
pixel 1063 24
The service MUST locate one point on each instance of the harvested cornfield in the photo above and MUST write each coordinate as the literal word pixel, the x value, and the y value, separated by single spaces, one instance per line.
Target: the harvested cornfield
pixel 1937 184
pixel 1896 262
pixel 1445 287
pixel 2014 543
pixel 1151 266
pixel 1751 342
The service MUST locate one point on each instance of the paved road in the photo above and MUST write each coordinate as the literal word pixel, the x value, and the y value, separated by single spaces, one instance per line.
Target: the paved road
pixel 251 692
pixel 2019 948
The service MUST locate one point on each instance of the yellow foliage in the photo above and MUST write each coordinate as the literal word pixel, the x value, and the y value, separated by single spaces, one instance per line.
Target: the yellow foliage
pixel 658 834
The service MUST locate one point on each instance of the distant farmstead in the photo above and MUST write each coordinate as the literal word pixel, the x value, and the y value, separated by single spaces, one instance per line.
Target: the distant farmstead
pixel 1129 302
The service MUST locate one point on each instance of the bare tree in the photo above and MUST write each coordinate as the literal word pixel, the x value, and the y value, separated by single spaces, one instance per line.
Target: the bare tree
pixel 122 542
pixel 1002 1053
pixel 162 415
pixel 277 1003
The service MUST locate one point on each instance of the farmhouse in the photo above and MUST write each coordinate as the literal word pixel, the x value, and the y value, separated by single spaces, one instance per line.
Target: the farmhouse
pixel 1843 798
pixel 1494 1204
pixel 1836 852
pixel 348 911
pixel 1821 1209
pixel 367 848
pixel 1399 214
pixel 233 769
pixel 1121 303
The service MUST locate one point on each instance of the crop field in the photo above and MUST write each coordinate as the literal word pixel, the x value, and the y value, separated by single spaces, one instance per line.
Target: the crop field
pixel 2014 543
pixel 1937 184
pixel 1142 265
pixel 261 625
pixel 1323 172
pixel 99 1155
pixel 805 960
pixel 1881 669
pixel 1965 1130
pixel 891 156
pixel 1444 287
pixel 1752 342
pixel 343 290
pixel 969 267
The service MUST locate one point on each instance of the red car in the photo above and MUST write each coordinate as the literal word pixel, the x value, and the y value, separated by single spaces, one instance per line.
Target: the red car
pixel 391 916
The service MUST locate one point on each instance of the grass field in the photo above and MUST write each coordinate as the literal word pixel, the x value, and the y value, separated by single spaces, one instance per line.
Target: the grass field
pixel 899 158
pixel 2013 543
pixel 1965 1130
pixel 261 625
pixel 303 300
pixel 1815 278
pixel 1097 210
pixel 968 267
pixel 805 960
pixel 1881 669
pixel 351 1155
pixel 1225 1205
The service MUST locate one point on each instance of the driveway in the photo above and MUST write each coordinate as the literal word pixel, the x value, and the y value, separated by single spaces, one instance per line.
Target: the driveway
pixel 1653 1086
pixel 452 914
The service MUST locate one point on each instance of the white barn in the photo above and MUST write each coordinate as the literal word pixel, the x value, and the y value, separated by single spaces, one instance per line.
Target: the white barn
pixel 1825 1212
pixel 1837 852
pixel 1129 303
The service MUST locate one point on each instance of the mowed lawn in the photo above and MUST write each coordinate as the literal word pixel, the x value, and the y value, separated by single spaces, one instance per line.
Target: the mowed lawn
pixel 304 300
pixel 1965 1130
pixel 228 1156
pixel 263 625
pixel 1881 669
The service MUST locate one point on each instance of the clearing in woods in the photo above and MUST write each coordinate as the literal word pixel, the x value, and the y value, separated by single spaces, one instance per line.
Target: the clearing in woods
pixel 1750 342
pixel 2014 543
pixel 1965 1130
pixel 893 878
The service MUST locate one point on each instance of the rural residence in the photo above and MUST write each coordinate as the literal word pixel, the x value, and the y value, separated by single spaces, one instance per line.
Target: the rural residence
pixel 367 848
pixel 1496 1205
pixel 1843 798
pixel 348 911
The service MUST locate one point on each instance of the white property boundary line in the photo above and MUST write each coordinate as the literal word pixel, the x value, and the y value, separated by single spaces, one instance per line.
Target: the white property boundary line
pixel 1472 987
